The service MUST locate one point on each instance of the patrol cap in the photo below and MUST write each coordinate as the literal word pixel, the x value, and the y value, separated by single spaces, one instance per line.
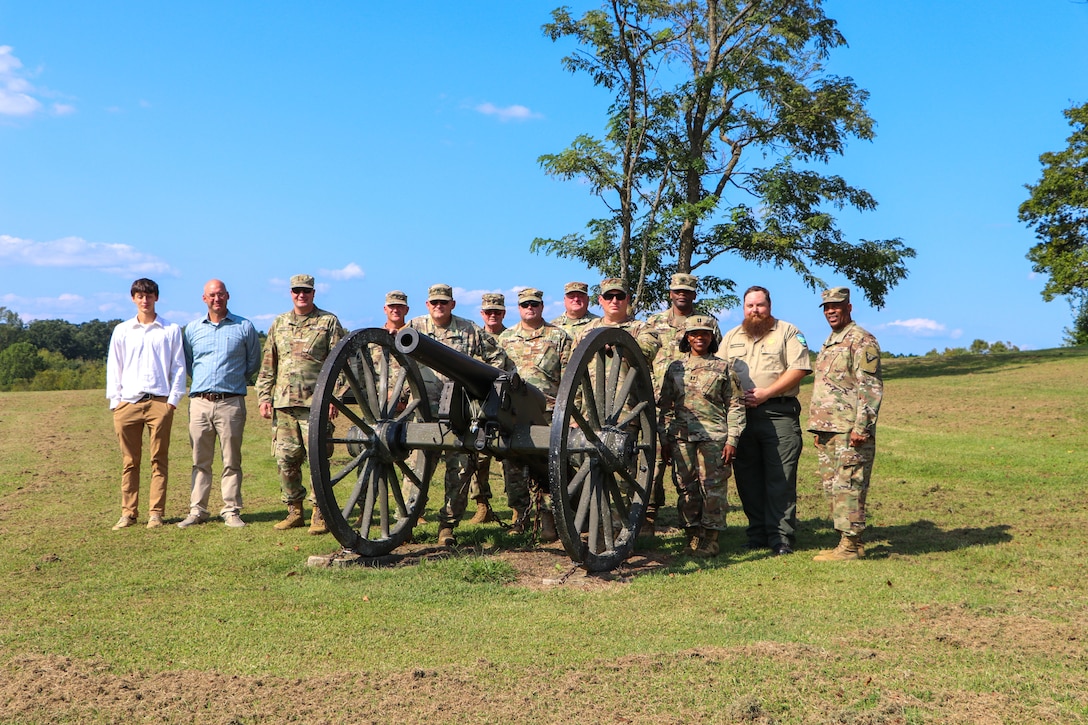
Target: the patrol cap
pixel 835 294
pixel 396 297
pixel 493 301
pixel 302 280
pixel 699 322
pixel 576 287
pixel 684 281
pixel 439 292
pixel 613 284
pixel 530 295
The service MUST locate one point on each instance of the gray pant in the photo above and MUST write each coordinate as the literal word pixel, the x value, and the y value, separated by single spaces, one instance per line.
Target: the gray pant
pixel 765 470
pixel 208 420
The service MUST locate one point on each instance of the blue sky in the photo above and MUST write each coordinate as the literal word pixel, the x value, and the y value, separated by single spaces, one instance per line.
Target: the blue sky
pixel 376 150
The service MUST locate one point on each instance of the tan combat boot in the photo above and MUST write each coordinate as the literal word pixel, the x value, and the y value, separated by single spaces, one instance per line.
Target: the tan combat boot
pixel 708 544
pixel 517 526
pixel 849 549
pixel 317 523
pixel 650 524
pixel 294 518
pixel 484 514
pixel 694 536
pixel 445 537
pixel 548 533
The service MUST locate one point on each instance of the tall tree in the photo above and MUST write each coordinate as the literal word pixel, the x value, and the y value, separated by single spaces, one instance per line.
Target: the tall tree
pixel 703 92
pixel 1057 211
pixel 12 329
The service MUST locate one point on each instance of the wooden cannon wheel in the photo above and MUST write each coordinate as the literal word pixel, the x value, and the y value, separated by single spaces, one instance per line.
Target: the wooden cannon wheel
pixel 377 391
pixel 603 443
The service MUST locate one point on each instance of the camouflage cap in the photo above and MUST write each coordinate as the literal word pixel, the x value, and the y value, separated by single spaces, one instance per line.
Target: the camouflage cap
pixel 613 284
pixel 439 292
pixel 302 280
pixel 493 301
pixel 699 322
pixel 530 294
pixel 684 281
pixel 835 294
pixel 576 287
pixel 396 297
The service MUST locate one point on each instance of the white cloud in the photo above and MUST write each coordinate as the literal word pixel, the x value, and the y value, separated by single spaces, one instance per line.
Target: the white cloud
pixel 15 90
pixel 63 109
pixel 921 327
pixel 350 271
pixel 508 113
pixel 119 259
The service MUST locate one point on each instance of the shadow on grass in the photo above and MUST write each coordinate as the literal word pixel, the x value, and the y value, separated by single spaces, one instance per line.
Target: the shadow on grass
pixel 970 364
pixel 923 537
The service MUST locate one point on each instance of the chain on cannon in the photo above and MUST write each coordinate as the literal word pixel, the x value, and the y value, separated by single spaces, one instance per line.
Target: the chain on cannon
pixel 595 453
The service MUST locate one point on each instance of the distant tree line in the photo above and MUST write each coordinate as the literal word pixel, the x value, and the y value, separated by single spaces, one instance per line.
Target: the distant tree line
pixel 978 347
pixel 52 354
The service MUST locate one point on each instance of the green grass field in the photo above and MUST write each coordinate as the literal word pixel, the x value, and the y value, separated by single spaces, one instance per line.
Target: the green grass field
pixel 970 607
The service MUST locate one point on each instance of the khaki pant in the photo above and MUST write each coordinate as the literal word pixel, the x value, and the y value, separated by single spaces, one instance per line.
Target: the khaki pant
pixel 225 419
pixel 129 421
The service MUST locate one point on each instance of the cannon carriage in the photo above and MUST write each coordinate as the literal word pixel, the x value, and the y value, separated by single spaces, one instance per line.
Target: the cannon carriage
pixel 595 453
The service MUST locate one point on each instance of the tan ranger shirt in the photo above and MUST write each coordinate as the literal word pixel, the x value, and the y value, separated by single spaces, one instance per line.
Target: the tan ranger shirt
pixel 759 363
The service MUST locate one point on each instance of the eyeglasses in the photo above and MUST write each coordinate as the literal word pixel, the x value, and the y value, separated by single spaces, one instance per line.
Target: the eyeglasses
pixel 529 303
pixel 494 312
pixel 615 296
pixel 435 303
pixel 301 291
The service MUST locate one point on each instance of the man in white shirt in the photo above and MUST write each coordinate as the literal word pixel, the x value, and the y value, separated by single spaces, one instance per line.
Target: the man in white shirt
pixel 145 381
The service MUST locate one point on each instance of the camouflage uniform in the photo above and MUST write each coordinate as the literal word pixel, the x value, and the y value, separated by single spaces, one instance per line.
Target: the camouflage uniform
pixel 644 335
pixel 846 395
pixel 540 356
pixel 702 407
pixel 573 326
pixel 467 338
pixel 479 489
pixel 294 352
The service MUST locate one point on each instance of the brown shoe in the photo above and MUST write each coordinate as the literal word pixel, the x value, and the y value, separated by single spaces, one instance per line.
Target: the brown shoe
pixel 294 518
pixel 849 549
pixel 708 544
pixel 484 514
pixel 694 535
pixel 548 532
pixel 517 526
pixel 317 523
pixel 445 537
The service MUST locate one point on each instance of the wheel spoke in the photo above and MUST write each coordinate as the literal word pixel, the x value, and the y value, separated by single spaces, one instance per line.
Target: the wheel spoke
pixel 383 384
pixel 600 392
pixel 577 479
pixel 350 465
pixel 398 388
pixel 613 403
pixel 623 394
pixel 356 492
pixel 634 413
pixel 356 390
pixel 589 401
pixel 350 414
pixel 408 410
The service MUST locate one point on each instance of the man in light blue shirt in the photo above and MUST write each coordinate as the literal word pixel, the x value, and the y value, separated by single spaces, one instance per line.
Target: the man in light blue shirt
pixel 222 352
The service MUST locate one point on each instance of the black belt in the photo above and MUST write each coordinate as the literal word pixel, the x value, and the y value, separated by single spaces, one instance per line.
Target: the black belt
pixel 780 399
pixel 144 397
pixel 216 397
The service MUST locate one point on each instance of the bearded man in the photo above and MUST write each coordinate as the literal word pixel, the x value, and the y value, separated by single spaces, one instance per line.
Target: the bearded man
pixel 770 357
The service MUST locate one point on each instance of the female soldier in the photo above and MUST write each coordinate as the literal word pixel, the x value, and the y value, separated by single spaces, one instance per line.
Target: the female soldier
pixel 703 406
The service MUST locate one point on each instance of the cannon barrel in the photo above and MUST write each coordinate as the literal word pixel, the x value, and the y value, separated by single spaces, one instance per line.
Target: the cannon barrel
pixel 475 377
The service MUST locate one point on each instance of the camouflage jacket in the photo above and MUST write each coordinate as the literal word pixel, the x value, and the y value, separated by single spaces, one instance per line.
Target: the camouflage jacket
pixel 848 384
pixel 669 326
pixel 494 354
pixel 573 327
pixel 294 352
pixel 462 335
pixel 701 400
pixel 644 335
pixel 540 355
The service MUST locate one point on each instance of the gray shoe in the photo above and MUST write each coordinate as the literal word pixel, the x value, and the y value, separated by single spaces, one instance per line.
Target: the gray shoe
pixel 154 521
pixel 234 521
pixel 123 523
pixel 191 520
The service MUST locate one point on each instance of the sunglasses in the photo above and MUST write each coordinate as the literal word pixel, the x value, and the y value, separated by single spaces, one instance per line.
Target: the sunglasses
pixel 615 296
pixel 301 291
pixel 530 303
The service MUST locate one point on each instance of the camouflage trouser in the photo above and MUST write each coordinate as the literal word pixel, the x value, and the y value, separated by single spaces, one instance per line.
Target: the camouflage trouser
pixel 480 488
pixel 517 481
pixel 844 472
pixel 290 428
pixel 702 482
pixel 459 470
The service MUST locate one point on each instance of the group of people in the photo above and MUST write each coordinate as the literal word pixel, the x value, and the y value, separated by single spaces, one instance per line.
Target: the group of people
pixel 728 404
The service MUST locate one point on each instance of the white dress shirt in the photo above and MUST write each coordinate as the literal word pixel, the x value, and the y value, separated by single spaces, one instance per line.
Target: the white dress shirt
pixel 145 359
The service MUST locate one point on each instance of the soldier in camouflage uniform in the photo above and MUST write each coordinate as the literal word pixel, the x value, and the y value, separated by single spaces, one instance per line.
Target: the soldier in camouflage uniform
pixel 702 407
pixel 540 351
pixel 617 313
pixel 669 326
pixel 466 337
pixel 576 304
pixel 297 345
pixel 846 397
pixel 492 312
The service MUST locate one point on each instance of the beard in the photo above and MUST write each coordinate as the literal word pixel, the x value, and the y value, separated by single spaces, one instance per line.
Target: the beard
pixel 756 327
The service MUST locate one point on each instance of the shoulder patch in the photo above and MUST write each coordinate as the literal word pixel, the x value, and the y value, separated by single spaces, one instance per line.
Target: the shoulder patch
pixel 801 338
pixel 869 359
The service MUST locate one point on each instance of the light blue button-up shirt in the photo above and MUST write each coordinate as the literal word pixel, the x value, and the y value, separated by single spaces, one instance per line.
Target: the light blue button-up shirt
pixel 221 357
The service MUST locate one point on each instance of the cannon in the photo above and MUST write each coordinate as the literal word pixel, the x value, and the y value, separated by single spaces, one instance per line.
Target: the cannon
pixel 595 453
